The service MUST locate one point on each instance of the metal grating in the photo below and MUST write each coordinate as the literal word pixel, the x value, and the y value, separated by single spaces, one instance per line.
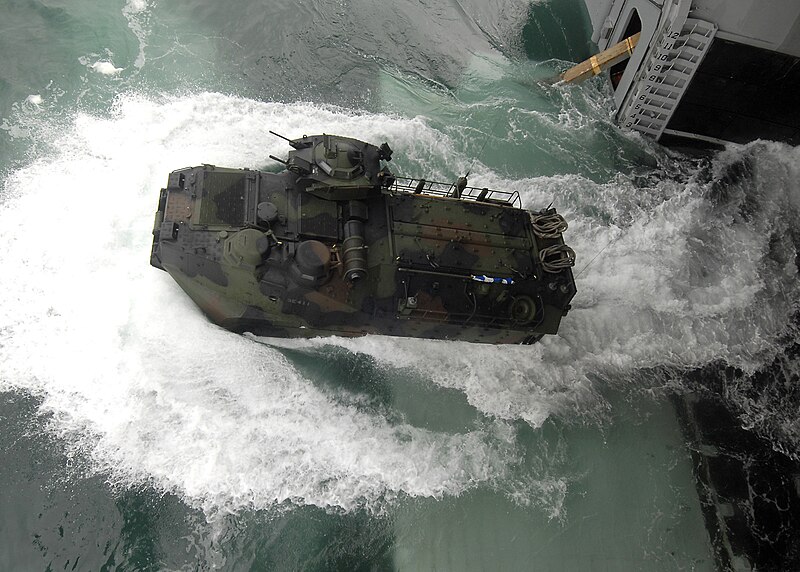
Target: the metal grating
pixel 223 198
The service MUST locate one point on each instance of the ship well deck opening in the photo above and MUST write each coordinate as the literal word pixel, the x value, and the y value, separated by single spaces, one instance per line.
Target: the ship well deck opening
pixel 634 26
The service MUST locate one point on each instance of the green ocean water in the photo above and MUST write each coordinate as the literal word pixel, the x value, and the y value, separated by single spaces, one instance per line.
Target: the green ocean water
pixel 137 436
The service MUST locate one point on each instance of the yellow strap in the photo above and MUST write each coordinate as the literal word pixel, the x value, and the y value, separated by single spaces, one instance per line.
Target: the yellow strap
pixel 630 45
pixel 595 65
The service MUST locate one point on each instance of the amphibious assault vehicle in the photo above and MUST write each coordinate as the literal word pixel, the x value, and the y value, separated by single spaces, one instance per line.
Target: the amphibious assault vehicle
pixel 338 245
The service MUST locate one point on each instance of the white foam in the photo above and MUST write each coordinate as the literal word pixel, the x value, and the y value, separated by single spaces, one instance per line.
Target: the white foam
pixel 105 68
pixel 140 382
pixel 136 6
pixel 143 385
pixel 137 15
pixel 506 382
pixel 34 98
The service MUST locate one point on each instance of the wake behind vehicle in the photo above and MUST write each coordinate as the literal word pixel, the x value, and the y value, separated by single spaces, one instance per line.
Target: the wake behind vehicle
pixel 338 245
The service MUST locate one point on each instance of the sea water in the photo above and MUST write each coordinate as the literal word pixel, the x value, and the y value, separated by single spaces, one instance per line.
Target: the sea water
pixel 137 435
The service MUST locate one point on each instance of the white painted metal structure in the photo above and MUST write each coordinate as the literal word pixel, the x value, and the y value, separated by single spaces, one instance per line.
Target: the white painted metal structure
pixel 675 37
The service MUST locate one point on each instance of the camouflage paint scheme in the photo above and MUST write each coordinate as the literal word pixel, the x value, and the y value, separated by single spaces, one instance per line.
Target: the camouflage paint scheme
pixel 337 245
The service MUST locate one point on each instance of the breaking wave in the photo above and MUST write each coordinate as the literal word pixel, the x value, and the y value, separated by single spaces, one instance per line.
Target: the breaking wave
pixel 137 381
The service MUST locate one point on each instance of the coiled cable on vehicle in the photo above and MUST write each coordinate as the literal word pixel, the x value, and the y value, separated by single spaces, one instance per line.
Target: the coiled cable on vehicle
pixel 556 258
pixel 550 225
